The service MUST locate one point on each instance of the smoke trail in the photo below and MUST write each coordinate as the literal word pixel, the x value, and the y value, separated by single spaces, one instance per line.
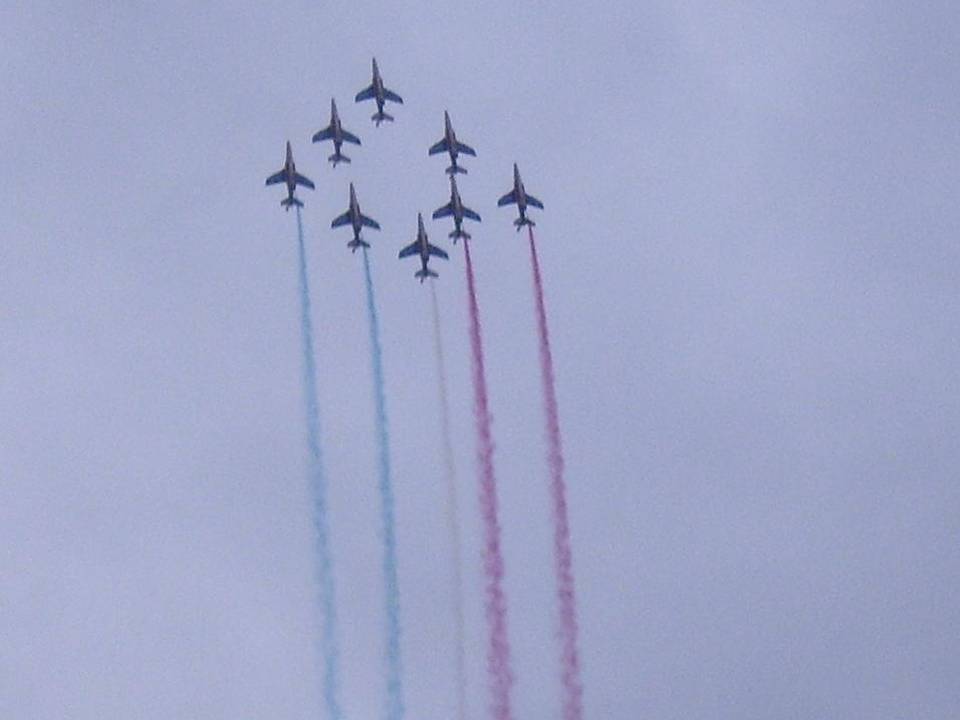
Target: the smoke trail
pixel 318 486
pixel 392 590
pixel 453 510
pixel 563 560
pixel 498 654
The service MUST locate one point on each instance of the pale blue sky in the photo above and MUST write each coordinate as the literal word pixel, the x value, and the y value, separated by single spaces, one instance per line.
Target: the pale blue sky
pixel 750 256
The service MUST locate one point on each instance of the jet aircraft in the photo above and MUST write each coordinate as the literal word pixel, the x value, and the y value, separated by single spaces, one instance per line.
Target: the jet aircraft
pixel 292 178
pixel 522 199
pixel 449 144
pixel 334 131
pixel 422 247
pixel 357 219
pixel 379 93
pixel 457 210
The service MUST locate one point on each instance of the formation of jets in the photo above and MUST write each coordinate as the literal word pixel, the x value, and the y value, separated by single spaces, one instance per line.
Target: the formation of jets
pixel 449 144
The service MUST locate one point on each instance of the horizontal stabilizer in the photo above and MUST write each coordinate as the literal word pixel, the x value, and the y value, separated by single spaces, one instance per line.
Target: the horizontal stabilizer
pixel 369 222
pixel 458 233
pixel 466 149
pixel 338 158
pixel 440 147
pixel 454 169
pixel 411 249
pixel 437 252
pixel 357 243
pixel 392 96
pixel 509 199
pixel 305 181
pixel 341 220
pixel 468 213
pixel 424 274
pixel 365 94
pixel 350 137
pixel 445 211
pixel 277 177
pixel 325 134
pixel 531 200
pixel 521 221
pixel 287 202
pixel 380 117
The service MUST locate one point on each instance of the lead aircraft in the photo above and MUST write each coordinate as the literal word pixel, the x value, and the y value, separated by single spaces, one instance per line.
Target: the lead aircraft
pixel 379 93
pixel 292 178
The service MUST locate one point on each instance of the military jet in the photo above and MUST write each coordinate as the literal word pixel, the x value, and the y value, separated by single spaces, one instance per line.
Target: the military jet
pixel 458 210
pixel 422 247
pixel 334 131
pixel 357 219
pixel 519 196
pixel 379 93
pixel 449 144
pixel 292 178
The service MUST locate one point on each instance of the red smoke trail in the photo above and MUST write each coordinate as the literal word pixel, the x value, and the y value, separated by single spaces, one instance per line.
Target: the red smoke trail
pixel 498 654
pixel 563 559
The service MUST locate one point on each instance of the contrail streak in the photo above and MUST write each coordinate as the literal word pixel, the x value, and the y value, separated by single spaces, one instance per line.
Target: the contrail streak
pixel 563 560
pixel 392 590
pixel 318 486
pixel 453 510
pixel 498 654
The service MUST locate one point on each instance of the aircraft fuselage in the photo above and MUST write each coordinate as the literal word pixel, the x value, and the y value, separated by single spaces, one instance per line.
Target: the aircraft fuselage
pixel 355 213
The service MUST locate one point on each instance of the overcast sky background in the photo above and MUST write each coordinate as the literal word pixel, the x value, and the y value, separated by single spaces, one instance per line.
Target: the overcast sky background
pixel 750 256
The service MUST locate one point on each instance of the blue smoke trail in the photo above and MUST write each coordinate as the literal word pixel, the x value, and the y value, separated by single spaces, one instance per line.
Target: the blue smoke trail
pixel 318 486
pixel 392 590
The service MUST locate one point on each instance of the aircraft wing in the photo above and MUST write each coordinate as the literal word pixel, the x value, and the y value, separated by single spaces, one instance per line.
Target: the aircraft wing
pixel 278 177
pixel 369 222
pixel 440 147
pixel 305 181
pixel 350 137
pixel 411 249
pixel 325 134
pixel 466 149
pixel 341 220
pixel 434 250
pixel 392 96
pixel 467 212
pixel 509 199
pixel 365 94
pixel 445 211
pixel 531 200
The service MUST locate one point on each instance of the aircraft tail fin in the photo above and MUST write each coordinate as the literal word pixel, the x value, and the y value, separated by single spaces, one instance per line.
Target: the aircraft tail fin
pixel 357 243
pixel 424 274
pixel 524 220
pixel 287 202
pixel 457 233
pixel 454 169
pixel 379 117
pixel 338 158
